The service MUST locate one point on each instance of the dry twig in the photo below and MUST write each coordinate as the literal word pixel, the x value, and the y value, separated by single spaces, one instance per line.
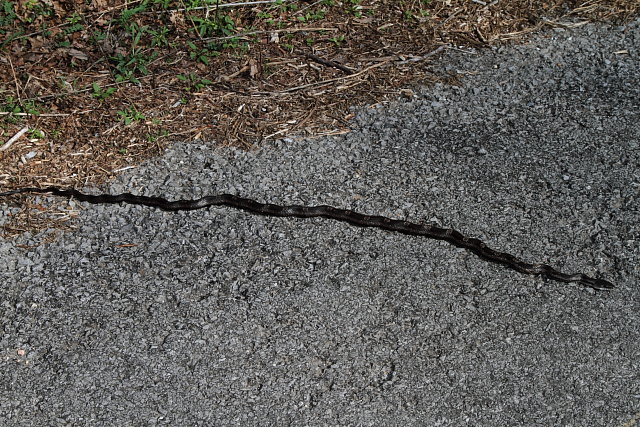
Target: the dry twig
pixel 14 138
pixel 328 63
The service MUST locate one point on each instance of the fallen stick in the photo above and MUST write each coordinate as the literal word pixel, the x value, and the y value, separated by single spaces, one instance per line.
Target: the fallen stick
pixel 13 139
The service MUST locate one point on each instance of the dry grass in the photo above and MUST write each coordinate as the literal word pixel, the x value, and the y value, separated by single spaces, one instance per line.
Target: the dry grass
pixel 234 75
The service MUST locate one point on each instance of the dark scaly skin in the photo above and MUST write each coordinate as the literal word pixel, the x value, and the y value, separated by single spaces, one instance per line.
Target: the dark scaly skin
pixel 450 235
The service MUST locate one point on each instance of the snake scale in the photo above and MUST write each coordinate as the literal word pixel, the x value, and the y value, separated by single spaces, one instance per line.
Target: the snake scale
pixel 447 234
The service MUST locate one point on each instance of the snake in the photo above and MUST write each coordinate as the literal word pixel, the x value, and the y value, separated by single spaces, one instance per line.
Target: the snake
pixel 431 231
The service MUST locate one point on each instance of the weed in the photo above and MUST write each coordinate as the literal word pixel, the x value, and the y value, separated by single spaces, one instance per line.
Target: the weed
pixel 7 15
pixel 13 107
pixel 136 32
pixel 127 14
pixel 197 54
pixel 287 7
pixel 194 83
pixel 221 25
pixel 55 133
pixel 154 137
pixel 162 4
pixel 337 40
pixel 44 30
pixel 98 36
pixel 226 25
pixel 312 16
pixel 159 38
pixel 354 8
pixel 127 67
pixel 74 24
pixel 35 10
pixel 233 44
pixel 35 134
pixel 130 115
pixel 101 94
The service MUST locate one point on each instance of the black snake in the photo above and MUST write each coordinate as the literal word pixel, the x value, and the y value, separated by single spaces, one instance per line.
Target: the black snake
pixel 450 235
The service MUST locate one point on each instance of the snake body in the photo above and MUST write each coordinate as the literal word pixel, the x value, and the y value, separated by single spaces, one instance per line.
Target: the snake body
pixel 355 218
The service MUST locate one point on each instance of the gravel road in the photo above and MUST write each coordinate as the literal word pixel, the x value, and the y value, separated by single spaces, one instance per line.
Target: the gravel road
pixel 219 317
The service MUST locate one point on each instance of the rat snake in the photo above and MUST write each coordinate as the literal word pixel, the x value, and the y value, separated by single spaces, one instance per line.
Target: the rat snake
pixel 450 235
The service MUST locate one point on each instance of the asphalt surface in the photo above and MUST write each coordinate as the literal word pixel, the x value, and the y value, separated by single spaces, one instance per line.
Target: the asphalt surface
pixel 219 317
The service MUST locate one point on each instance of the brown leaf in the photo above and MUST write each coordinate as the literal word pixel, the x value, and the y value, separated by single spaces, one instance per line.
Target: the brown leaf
pixel 58 9
pixel 77 54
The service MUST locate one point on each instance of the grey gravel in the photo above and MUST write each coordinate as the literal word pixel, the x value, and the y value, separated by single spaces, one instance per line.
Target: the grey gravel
pixel 219 317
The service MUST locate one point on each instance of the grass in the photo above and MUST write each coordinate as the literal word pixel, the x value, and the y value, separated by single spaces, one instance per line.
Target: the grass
pixel 119 83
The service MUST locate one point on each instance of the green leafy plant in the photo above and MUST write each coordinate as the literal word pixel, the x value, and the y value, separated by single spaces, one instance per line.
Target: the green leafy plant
pixel 7 15
pixel 35 134
pixel 233 43
pixel 126 15
pixel 159 38
pixel 36 9
pixel 15 107
pixel 130 115
pixel 193 82
pixel 202 54
pixel 220 25
pixel 101 94
pixel 11 105
pixel 74 24
pixel 354 8
pixel 162 4
pixel 197 54
pixel 312 16
pixel 128 67
pixel 337 40
pixel 98 36
pixel 154 137
pixel 287 7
